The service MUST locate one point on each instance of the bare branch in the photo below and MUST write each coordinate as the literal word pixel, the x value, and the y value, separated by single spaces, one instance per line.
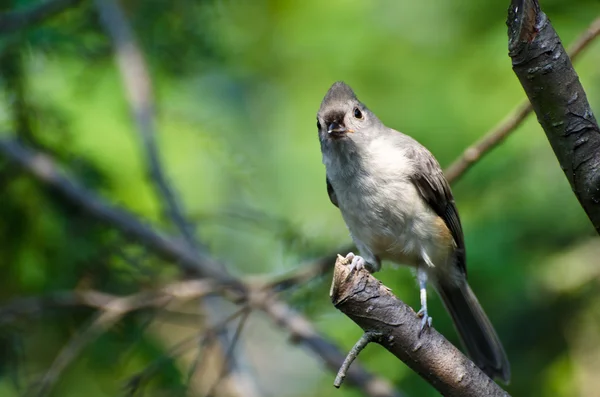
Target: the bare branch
pixel 21 19
pixel 229 354
pixel 558 99
pixel 183 290
pixel 43 169
pixel 584 40
pixel 371 305
pixel 510 123
pixel 490 140
pixel 364 340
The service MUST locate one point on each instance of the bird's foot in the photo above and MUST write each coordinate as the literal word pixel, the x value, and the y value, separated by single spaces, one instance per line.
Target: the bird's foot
pixel 357 262
pixel 425 319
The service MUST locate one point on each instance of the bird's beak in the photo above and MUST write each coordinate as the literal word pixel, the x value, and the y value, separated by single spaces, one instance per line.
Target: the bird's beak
pixel 336 129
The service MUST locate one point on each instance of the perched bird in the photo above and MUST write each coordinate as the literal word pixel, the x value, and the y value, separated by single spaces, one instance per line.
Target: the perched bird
pixel 398 206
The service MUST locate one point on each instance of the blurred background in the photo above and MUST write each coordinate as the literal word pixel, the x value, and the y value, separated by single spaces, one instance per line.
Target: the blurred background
pixel 237 86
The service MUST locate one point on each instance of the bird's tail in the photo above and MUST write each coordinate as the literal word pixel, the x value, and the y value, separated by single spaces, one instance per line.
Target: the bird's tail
pixel 475 330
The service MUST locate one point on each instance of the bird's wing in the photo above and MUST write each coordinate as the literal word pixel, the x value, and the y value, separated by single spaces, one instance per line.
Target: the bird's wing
pixel 431 183
pixel 331 193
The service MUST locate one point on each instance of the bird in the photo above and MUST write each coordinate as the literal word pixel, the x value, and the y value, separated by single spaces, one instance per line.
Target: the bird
pixel 398 206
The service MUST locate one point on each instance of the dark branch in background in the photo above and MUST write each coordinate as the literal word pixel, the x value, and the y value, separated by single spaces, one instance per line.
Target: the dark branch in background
pixel 395 326
pixel 13 74
pixel 21 19
pixel 136 80
pixel 43 169
pixel 510 123
pixel 558 99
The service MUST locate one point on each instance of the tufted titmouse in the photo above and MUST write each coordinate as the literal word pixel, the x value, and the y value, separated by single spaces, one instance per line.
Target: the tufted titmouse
pixel 398 206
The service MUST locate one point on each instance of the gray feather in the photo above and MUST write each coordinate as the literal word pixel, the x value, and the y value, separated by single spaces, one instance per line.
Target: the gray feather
pixel 331 193
pixel 429 179
pixel 475 330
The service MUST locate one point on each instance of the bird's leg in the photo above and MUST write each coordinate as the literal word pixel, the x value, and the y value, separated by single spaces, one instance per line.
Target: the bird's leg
pixel 425 319
pixel 357 261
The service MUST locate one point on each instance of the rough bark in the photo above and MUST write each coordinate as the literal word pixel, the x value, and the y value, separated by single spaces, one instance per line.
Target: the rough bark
pixel 373 307
pixel 545 71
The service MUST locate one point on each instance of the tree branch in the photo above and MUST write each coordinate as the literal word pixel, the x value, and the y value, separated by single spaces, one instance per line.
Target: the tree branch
pixel 136 79
pixel 134 382
pixel 183 290
pixel 490 140
pixel 12 21
pixel 559 100
pixel 504 128
pixel 395 326
pixel 42 167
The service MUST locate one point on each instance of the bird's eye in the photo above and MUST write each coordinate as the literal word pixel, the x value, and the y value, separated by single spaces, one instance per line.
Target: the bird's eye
pixel 318 124
pixel 357 113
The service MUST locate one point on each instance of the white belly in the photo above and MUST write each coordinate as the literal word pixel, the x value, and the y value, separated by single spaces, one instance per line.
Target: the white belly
pixel 383 209
pixel 392 221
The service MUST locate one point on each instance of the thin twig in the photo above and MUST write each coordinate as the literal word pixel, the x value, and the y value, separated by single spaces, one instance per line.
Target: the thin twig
pixel 584 39
pixel 12 21
pixel 182 347
pixel 364 340
pixel 228 356
pixel 504 128
pixel 111 315
pixel 280 227
pixel 305 272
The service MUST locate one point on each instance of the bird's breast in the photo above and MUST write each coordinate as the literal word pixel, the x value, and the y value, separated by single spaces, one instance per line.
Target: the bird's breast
pixel 382 208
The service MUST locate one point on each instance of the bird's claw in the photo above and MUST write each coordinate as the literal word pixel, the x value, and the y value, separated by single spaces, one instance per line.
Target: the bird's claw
pixel 425 320
pixel 357 262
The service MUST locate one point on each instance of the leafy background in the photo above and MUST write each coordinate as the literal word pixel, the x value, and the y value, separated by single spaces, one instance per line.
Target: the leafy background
pixel 238 84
